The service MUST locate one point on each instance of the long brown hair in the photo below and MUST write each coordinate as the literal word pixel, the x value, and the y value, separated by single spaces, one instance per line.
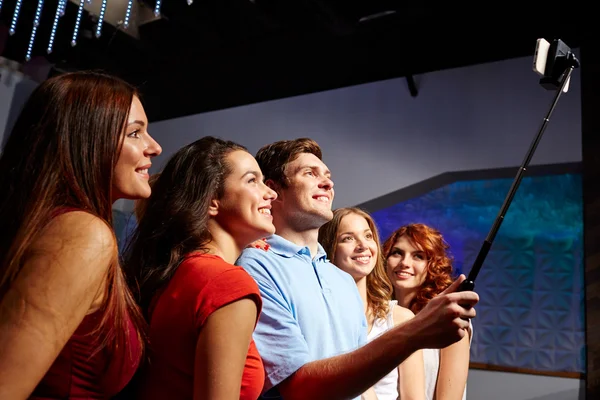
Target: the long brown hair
pixel 174 220
pixel 379 288
pixel 139 207
pixel 439 260
pixel 61 153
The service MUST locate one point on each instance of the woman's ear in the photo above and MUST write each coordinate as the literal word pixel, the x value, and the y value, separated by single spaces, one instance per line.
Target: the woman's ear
pixel 213 208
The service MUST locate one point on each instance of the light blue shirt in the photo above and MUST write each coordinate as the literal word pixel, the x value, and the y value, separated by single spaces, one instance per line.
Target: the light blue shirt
pixel 311 309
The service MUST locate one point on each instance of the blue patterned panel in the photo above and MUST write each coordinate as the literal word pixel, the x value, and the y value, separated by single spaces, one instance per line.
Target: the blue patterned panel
pixel 531 311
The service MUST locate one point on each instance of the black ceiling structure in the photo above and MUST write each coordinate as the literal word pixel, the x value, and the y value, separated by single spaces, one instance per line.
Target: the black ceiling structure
pixel 216 54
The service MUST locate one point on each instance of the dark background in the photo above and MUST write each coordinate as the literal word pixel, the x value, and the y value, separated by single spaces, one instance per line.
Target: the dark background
pixel 217 54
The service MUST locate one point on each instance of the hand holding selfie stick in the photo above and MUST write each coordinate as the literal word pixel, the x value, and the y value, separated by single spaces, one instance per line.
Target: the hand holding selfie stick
pixel 561 63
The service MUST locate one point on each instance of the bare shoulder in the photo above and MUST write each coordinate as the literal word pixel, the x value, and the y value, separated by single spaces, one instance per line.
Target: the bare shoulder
pixel 401 314
pixel 78 228
pixel 78 242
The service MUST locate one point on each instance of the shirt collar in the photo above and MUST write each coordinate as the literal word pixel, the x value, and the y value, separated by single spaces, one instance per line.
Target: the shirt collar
pixel 285 248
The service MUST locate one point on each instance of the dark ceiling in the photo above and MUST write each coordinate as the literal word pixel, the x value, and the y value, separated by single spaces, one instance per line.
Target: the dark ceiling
pixel 216 54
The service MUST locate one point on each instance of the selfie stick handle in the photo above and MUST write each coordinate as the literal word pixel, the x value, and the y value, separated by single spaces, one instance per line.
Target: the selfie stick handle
pixel 469 283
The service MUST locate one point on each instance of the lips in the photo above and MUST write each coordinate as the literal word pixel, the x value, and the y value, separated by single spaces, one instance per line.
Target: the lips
pixel 401 274
pixel 143 170
pixel 362 259
pixel 265 210
pixel 323 198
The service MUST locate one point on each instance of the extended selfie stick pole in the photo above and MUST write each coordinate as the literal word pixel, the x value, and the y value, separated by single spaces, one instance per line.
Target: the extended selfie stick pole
pixel 469 283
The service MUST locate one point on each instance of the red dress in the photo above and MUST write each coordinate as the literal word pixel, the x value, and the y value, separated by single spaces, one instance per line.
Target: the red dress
pixel 202 284
pixel 74 375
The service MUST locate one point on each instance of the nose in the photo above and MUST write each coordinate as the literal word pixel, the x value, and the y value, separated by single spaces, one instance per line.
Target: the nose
pixel 405 261
pixel 326 183
pixel 270 194
pixel 360 245
pixel 153 149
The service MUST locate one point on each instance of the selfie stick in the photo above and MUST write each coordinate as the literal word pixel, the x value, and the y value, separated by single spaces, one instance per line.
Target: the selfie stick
pixel 468 284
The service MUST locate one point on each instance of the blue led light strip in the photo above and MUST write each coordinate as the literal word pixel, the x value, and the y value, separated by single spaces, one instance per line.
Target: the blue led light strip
pixel 36 23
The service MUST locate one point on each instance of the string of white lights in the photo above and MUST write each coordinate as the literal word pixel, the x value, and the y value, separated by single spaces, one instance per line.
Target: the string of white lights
pixel 101 18
pixel 36 23
pixel 77 22
pixel 127 14
pixel 60 12
pixel 13 24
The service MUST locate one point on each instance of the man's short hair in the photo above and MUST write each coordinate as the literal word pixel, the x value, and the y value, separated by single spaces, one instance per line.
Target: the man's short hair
pixel 274 158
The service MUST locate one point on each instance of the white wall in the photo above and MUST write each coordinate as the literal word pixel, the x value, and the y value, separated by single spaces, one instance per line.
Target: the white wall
pixel 469 118
pixel 377 139
pixel 15 88
pixel 8 83
pixel 495 385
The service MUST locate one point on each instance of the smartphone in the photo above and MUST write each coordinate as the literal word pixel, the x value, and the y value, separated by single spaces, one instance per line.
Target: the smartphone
pixel 540 61
pixel 541 56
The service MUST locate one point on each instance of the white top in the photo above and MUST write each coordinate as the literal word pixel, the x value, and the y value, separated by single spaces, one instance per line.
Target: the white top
pixel 431 359
pixel 387 387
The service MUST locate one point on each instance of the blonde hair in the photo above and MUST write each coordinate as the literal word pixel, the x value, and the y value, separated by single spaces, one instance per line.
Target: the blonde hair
pixel 379 288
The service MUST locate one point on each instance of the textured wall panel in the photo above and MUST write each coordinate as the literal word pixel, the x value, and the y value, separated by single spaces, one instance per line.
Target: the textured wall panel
pixel 531 312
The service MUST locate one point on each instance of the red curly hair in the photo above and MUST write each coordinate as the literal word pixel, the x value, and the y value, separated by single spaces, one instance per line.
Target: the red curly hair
pixel 439 261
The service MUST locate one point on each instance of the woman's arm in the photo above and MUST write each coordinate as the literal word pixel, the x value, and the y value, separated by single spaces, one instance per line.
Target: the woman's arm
pixel 454 370
pixel 369 395
pixel 411 373
pixel 61 279
pixel 221 351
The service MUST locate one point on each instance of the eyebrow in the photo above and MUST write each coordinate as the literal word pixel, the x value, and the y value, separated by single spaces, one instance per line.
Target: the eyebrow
pixel 352 233
pixel 417 251
pixel 137 121
pixel 255 173
pixel 313 167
